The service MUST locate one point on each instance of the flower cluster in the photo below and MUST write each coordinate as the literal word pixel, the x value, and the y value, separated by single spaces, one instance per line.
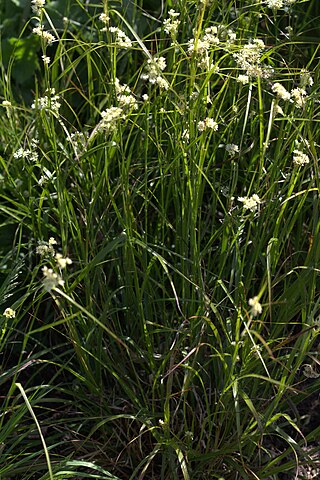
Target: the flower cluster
pixel 277 4
pixel 37 5
pixel 110 118
pixel 50 102
pixel 232 149
pixel 201 47
pixel 9 313
pixel 249 59
pixel 280 91
pixel 300 158
pixel 154 67
pixel 51 279
pixel 250 203
pixel 126 100
pixel 121 39
pixel 171 24
pixel 46 248
pixel 29 154
pixel 299 96
pixel 62 261
pixel 256 308
pixel 104 18
pixel 207 124
pixel 46 36
pixel 46 60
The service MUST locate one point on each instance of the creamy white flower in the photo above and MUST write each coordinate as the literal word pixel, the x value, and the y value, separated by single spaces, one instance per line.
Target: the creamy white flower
pixel 62 262
pixel 104 18
pixel 256 308
pixel 46 36
pixel 9 313
pixel 280 91
pixel 50 102
pixel 232 149
pixel 153 70
pixel 300 158
pixel 207 123
pixel 244 79
pixel 37 5
pixel 51 279
pixel 274 4
pixel 250 203
pixel 299 96
pixel 46 60
pixel 171 24
pixel 121 39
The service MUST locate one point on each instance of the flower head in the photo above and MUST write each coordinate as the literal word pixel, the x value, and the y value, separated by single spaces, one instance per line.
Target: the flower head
pixel 46 248
pixel 300 158
pixel 256 308
pixel 51 279
pixel 9 313
pixel 46 36
pixel 37 5
pixel 280 91
pixel 121 39
pixel 49 102
pixel 171 24
pixel 207 124
pixel 62 262
pixel 232 149
pixel 250 203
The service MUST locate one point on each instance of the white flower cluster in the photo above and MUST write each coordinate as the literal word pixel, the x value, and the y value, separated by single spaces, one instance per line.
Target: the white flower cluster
pixel 126 100
pixel 110 118
pixel 201 47
pixel 171 24
pixel 299 96
pixel 250 203
pixel 46 36
pixel 62 261
pixel 154 67
pixel 280 91
pixel 300 158
pixel 51 278
pixel 46 248
pixel 244 79
pixel 50 102
pixel 277 4
pixel 207 124
pixel 249 59
pixel 9 313
pixel 37 5
pixel 256 308
pixel 121 39
pixel 232 149
pixel 29 154
pixel 104 18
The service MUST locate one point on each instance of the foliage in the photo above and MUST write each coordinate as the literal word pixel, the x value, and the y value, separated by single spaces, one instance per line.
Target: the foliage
pixel 159 260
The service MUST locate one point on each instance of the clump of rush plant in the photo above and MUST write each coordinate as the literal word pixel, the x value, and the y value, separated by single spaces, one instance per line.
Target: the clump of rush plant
pixel 159 261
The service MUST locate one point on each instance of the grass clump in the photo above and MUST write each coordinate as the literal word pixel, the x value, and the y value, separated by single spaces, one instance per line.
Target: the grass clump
pixel 159 259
